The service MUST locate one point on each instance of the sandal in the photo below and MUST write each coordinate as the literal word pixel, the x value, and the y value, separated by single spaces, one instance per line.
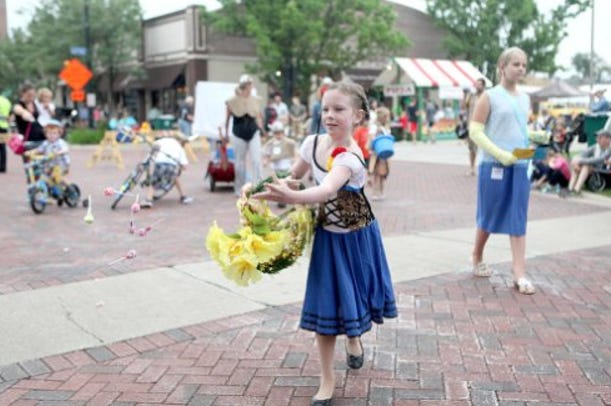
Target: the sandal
pixel 482 270
pixel 524 286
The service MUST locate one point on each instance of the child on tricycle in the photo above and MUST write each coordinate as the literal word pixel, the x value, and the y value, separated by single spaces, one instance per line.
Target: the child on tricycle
pixel 46 167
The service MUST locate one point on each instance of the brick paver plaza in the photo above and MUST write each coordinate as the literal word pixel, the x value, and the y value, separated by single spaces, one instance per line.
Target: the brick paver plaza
pixel 458 340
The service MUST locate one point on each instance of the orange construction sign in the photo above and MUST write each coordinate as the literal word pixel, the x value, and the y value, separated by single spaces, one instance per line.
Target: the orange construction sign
pixel 75 74
pixel 77 95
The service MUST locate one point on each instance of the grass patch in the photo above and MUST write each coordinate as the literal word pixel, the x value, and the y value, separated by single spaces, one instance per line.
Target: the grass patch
pixel 85 135
pixel 606 192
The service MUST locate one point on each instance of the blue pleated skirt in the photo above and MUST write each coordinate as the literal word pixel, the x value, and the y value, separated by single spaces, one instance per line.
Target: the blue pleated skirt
pixel 349 284
pixel 502 204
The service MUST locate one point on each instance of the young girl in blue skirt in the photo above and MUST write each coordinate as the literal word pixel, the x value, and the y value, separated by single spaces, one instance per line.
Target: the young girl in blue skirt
pixel 349 285
pixel 498 126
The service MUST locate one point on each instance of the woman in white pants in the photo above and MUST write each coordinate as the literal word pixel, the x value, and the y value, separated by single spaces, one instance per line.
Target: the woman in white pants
pixel 245 110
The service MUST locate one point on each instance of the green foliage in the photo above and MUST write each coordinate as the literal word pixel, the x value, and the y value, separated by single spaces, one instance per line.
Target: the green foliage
pixel 305 37
pixel 479 30
pixel 14 67
pixel 85 135
pixel 581 63
pixel 38 53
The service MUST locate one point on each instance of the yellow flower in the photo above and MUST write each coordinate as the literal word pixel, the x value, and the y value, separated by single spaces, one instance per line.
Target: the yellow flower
pixel 219 245
pixel 243 270
pixel 266 243
pixel 266 247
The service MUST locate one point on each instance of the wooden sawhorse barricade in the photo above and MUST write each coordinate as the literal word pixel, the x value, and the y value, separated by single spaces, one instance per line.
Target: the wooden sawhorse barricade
pixel 108 148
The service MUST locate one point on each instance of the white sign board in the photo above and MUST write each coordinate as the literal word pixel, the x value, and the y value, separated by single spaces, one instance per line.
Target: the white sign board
pixel 91 102
pixel 450 93
pixel 210 109
pixel 404 89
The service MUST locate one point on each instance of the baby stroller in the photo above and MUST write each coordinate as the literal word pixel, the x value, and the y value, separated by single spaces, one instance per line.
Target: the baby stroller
pixel 221 168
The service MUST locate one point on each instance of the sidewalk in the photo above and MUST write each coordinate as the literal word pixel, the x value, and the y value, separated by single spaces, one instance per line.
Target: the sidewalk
pixel 183 335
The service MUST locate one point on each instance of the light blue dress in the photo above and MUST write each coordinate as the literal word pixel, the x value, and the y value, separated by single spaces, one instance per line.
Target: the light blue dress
pixel 503 192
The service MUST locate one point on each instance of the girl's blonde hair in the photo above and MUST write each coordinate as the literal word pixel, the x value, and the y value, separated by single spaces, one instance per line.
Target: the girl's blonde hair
pixel 44 91
pixel 506 56
pixel 383 115
pixel 356 92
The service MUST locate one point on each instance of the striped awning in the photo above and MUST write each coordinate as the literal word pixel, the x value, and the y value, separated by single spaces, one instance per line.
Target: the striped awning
pixel 440 72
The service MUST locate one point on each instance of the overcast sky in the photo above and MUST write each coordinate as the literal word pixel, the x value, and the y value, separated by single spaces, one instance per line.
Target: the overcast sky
pixel 577 41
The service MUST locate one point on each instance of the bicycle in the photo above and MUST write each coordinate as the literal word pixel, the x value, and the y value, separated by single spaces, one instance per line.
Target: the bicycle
pixel 161 186
pixel 45 183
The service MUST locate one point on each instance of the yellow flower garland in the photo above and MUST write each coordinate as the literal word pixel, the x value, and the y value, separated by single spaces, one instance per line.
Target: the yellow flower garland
pixel 266 243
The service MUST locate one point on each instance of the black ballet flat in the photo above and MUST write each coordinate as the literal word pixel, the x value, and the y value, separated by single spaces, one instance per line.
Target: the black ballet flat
pixel 321 402
pixel 355 361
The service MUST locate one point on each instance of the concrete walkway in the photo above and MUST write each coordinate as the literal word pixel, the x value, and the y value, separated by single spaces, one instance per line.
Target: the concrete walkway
pixel 91 313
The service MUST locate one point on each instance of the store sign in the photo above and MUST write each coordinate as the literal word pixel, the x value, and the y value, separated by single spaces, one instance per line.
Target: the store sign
pixel 450 93
pixel 404 89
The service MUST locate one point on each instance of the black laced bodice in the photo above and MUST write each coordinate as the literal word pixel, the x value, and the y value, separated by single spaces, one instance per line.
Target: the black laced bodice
pixel 349 209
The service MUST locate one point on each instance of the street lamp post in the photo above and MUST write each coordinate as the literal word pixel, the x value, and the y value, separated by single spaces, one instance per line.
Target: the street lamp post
pixel 88 58
pixel 592 51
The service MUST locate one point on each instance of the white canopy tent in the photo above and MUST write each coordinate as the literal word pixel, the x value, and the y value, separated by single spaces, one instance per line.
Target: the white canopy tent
pixel 431 73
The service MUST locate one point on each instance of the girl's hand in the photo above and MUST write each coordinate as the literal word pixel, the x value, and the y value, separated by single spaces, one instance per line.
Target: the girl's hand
pixel 278 191
pixel 245 191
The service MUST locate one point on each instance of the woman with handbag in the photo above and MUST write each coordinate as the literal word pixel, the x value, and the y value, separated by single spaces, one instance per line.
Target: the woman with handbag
pixel 26 117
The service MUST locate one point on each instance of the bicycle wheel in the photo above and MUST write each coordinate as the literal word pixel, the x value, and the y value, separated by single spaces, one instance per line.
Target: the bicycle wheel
pixel 72 195
pixel 127 185
pixel 163 185
pixel 38 197
pixel 597 182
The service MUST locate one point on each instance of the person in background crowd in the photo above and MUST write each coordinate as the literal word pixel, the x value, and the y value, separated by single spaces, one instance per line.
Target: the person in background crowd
pixel 379 168
pixel 26 116
pixel 5 112
pixel 298 116
pixel 412 115
pixel 430 109
pixel 316 125
pixel 545 121
pixel 153 113
pixel 598 102
pixel 280 151
pixel 468 106
pixel 282 111
pixel 244 109
pixel 170 160
pixel 185 122
pixel 594 156
pixel 45 106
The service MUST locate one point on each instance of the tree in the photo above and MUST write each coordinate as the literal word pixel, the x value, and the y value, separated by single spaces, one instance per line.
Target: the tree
pixel 301 38
pixel 479 30
pixel 581 63
pixel 58 25
pixel 14 67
